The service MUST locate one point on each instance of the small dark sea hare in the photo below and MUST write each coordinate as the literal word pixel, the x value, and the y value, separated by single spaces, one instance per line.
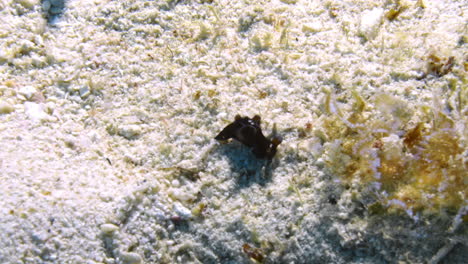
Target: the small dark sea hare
pixel 248 131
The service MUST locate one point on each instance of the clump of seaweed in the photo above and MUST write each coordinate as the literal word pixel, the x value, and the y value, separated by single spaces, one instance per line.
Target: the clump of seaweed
pixel 439 66
pixel 396 9
pixel 254 254
pixel 415 159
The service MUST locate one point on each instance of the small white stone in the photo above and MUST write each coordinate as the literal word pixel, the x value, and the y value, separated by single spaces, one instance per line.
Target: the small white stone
pixel 28 3
pixel 312 27
pixel 130 131
pixel 221 115
pixel 320 162
pixel 27 91
pixel 181 211
pixel 109 228
pixel 370 22
pixel 39 237
pixel 130 258
pixel 35 111
pixel 180 194
pixel 84 91
pixel 175 183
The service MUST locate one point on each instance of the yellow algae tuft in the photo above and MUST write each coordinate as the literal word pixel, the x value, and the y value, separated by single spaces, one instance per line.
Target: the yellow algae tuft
pixel 418 168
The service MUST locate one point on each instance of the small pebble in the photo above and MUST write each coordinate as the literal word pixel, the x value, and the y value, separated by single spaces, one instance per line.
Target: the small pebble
pixel 130 258
pixel 180 194
pixel 175 183
pixel 35 111
pixel 39 237
pixel 6 108
pixel 109 228
pixel 28 3
pixel 182 211
pixel 84 91
pixel 221 115
pixel 370 23
pixel 130 131
pixel 312 27
pixel 27 91
pixel 320 162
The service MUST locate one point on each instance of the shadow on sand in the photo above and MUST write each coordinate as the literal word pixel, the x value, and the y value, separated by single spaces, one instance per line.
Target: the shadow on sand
pixel 53 10
pixel 245 166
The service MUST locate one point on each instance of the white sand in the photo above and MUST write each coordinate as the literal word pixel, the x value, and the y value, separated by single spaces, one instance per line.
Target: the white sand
pixel 108 118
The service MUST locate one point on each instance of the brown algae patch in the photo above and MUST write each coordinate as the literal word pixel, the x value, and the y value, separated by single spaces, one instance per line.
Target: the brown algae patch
pixel 412 158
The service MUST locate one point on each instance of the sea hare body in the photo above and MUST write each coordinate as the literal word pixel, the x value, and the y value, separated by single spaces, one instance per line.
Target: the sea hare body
pixel 248 131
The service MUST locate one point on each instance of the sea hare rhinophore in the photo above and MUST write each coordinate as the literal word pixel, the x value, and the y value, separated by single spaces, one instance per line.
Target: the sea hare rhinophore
pixel 248 131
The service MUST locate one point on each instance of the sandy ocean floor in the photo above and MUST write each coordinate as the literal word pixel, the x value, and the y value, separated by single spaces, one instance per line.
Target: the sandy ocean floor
pixel 108 110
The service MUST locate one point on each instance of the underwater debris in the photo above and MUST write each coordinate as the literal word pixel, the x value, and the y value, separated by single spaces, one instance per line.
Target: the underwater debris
pixel 439 66
pixel 392 14
pixel 253 253
pixel 413 136
pixel 396 10
pixel 417 169
pixel 248 131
